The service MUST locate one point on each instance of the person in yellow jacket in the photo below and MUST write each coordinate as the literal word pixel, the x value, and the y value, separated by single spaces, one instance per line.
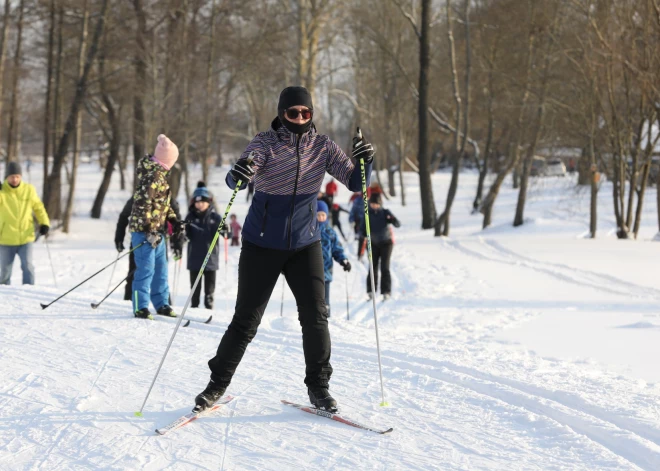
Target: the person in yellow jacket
pixel 18 201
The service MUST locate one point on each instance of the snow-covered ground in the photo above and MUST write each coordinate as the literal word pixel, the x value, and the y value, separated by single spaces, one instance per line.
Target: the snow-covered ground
pixel 528 348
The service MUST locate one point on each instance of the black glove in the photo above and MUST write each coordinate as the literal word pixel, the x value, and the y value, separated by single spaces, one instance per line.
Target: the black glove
pixel 120 245
pixel 178 227
pixel 43 229
pixel 154 239
pixel 242 171
pixel 346 264
pixel 176 244
pixel 362 149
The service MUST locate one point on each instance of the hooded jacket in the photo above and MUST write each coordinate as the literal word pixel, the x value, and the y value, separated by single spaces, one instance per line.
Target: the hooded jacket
pixel 289 171
pixel 151 200
pixel 16 208
pixel 200 230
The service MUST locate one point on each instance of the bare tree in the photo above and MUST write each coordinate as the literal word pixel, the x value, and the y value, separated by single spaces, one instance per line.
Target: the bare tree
pixel 515 149
pixel 12 133
pixel 78 119
pixel 442 224
pixel 49 88
pixel 79 97
pixel 139 92
pixel 425 184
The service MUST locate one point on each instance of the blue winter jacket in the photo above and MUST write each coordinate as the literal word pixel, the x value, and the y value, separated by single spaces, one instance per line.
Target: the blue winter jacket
pixel 332 249
pixel 289 171
pixel 357 210
pixel 200 231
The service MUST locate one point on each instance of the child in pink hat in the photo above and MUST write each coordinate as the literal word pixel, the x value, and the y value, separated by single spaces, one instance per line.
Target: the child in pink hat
pixel 151 212
pixel 166 152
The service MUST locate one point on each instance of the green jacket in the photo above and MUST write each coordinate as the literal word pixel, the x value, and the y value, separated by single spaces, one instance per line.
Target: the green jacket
pixel 151 201
pixel 16 208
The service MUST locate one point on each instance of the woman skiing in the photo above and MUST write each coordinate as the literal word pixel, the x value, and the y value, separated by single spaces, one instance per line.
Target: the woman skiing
pixel 281 235
pixel 382 243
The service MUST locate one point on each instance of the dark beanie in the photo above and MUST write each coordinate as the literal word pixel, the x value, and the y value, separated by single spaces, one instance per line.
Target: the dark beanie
pixel 375 198
pixel 13 168
pixel 294 96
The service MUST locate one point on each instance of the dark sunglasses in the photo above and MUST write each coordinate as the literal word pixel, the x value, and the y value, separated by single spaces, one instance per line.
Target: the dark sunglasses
pixel 293 113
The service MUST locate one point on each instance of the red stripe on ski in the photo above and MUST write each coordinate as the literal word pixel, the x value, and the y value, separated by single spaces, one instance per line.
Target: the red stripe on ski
pixel 186 419
pixel 336 417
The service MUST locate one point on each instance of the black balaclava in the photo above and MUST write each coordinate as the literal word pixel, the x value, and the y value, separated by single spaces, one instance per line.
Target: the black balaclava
pixel 294 96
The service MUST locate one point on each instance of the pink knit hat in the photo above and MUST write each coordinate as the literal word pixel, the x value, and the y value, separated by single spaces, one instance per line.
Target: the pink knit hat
pixel 166 152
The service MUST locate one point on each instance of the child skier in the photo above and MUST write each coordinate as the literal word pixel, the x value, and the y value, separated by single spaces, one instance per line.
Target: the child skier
pixel 336 211
pixel 235 230
pixel 201 224
pixel 381 244
pixel 151 211
pixel 332 249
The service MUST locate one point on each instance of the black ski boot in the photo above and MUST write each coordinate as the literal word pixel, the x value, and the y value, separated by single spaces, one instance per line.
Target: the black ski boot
pixel 166 311
pixel 143 314
pixel 208 301
pixel 321 399
pixel 208 397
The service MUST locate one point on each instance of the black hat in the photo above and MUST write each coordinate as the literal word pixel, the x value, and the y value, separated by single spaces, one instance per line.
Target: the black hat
pixel 294 96
pixel 13 168
pixel 375 198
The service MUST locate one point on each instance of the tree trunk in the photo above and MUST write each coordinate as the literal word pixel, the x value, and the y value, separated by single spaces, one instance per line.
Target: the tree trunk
pixel 123 160
pixel 78 118
pixel 115 144
pixel 514 153
pixel 3 49
pixel 425 184
pixel 139 87
pixel 442 225
pixel 483 169
pixel 53 184
pixel 114 119
pixel 49 86
pixel 12 131
pixel 79 97
pixel 208 121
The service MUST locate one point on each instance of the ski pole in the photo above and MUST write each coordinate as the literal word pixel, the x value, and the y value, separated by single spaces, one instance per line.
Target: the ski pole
pixel 95 305
pixel 282 303
pixel 226 270
pixel 44 306
pixel 358 140
pixel 348 315
pixel 52 267
pixel 112 275
pixel 194 286
pixel 177 275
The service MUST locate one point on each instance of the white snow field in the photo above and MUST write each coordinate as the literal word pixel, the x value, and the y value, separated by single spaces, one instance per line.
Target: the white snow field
pixel 507 349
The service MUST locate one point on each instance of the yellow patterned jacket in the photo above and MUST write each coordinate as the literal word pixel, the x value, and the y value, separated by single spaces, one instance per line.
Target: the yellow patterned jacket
pixel 151 201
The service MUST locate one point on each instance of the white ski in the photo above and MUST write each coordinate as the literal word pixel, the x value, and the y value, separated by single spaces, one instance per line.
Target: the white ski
pixel 335 416
pixel 186 419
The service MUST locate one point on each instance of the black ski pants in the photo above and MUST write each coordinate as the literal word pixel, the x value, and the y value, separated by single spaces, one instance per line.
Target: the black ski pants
pixel 208 278
pixel 381 254
pixel 258 271
pixel 128 290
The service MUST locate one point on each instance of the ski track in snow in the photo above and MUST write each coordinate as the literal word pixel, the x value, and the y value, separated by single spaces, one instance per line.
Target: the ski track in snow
pixel 460 398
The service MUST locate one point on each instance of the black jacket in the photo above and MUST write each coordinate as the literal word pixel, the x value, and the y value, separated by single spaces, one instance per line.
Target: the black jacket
pixel 200 230
pixel 379 222
pixel 122 222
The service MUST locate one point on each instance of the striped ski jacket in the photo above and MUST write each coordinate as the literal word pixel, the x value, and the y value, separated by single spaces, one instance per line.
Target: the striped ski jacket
pixel 289 171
